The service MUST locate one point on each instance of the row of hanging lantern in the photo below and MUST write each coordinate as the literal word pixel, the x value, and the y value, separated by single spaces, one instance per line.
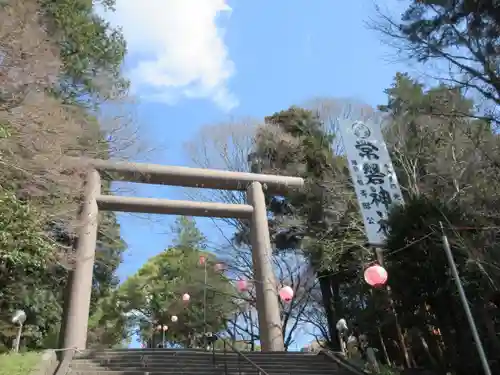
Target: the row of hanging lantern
pixel 160 327
pixel 286 293
pixel 164 328
pixel 375 276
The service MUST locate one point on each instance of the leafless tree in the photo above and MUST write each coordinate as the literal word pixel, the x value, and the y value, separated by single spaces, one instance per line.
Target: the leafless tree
pixel 37 129
pixel 291 270
pixel 223 146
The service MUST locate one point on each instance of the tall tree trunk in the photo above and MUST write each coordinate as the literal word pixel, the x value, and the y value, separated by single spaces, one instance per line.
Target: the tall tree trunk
pixel 427 351
pixel 490 329
pixel 328 305
pixel 399 331
pixel 252 333
pixel 384 348
pixel 338 306
pixel 441 309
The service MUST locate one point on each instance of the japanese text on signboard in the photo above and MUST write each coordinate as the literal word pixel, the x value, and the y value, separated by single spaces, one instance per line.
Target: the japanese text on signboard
pixel 373 176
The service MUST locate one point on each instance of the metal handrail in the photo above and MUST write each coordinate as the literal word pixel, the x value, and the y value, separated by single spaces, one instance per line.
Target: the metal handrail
pixel 259 369
pixel 254 365
pixel 65 363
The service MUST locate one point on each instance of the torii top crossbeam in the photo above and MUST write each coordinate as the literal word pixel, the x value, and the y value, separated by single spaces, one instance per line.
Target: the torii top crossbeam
pixel 189 177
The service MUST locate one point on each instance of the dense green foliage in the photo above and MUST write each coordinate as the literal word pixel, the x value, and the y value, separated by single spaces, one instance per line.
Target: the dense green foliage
pixel 154 294
pixel 464 34
pixel 30 275
pixel 447 164
pixel 90 50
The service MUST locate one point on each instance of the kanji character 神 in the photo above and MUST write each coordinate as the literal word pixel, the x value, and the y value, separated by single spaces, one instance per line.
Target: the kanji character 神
pixel 381 197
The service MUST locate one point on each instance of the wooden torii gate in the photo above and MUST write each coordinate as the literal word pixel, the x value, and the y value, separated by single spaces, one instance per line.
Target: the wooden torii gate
pixel 75 325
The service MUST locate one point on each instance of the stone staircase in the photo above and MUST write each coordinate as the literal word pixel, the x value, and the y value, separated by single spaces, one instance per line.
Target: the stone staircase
pixel 197 362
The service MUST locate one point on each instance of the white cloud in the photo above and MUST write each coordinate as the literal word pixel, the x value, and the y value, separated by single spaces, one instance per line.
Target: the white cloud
pixel 179 48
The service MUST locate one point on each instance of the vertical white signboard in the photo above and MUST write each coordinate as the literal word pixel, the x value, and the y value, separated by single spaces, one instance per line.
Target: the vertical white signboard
pixel 373 176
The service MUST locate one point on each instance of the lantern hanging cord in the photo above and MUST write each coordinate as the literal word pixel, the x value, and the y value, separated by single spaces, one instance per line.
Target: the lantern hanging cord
pixel 353 268
pixel 388 255
pixel 349 269
pixel 407 246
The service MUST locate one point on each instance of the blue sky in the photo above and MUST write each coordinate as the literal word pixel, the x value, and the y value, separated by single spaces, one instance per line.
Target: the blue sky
pixel 197 62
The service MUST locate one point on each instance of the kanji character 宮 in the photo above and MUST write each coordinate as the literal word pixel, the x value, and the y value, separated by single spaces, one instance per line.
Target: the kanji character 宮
pixel 373 174
pixel 367 150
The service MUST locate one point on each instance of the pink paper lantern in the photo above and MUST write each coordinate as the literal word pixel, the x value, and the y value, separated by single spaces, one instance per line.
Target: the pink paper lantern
pixel 186 297
pixel 376 276
pixel 286 294
pixel 241 285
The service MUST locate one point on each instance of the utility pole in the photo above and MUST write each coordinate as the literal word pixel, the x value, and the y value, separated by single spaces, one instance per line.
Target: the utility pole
pixel 205 306
pixel 465 302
